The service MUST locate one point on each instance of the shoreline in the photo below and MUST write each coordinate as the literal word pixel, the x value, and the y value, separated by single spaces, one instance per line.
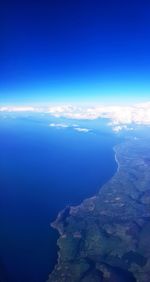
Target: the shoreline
pixel 57 224
pixel 107 231
pixel 116 160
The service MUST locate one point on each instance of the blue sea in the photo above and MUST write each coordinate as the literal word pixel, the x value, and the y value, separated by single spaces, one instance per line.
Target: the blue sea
pixel 43 169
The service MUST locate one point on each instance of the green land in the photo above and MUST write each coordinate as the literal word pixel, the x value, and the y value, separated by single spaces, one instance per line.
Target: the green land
pixel 107 237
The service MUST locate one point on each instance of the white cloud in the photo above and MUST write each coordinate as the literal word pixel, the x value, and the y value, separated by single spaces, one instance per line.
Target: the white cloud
pixel 118 128
pixel 118 115
pixel 59 125
pixel 80 129
pixel 3 109
pixel 20 109
pixel 73 126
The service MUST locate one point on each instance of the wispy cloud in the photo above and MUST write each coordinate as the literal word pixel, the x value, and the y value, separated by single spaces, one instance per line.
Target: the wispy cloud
pixel 80 129
pixel 20 109
pixel 59 125
pixel 73 126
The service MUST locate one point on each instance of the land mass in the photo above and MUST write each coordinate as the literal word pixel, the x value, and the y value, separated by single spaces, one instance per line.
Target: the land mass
pixel 106 238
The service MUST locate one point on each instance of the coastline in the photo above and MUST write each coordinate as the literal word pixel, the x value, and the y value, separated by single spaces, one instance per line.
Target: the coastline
pixel 57 224
pixel 106 237
pixel 116 159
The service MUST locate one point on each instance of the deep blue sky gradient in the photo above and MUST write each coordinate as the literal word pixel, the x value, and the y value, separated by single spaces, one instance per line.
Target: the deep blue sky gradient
pixel 74 51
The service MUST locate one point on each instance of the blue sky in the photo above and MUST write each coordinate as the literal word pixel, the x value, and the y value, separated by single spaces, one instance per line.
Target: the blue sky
pixel 75 51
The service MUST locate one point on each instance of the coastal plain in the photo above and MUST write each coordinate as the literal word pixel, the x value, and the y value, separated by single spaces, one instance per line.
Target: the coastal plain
pixel 106 237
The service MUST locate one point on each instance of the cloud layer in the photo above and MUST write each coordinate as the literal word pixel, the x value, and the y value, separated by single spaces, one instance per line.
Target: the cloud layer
pixel 138 114
pixel 118 115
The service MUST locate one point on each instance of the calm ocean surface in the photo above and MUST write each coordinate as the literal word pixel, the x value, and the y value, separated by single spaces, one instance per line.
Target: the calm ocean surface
pixel 43 169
